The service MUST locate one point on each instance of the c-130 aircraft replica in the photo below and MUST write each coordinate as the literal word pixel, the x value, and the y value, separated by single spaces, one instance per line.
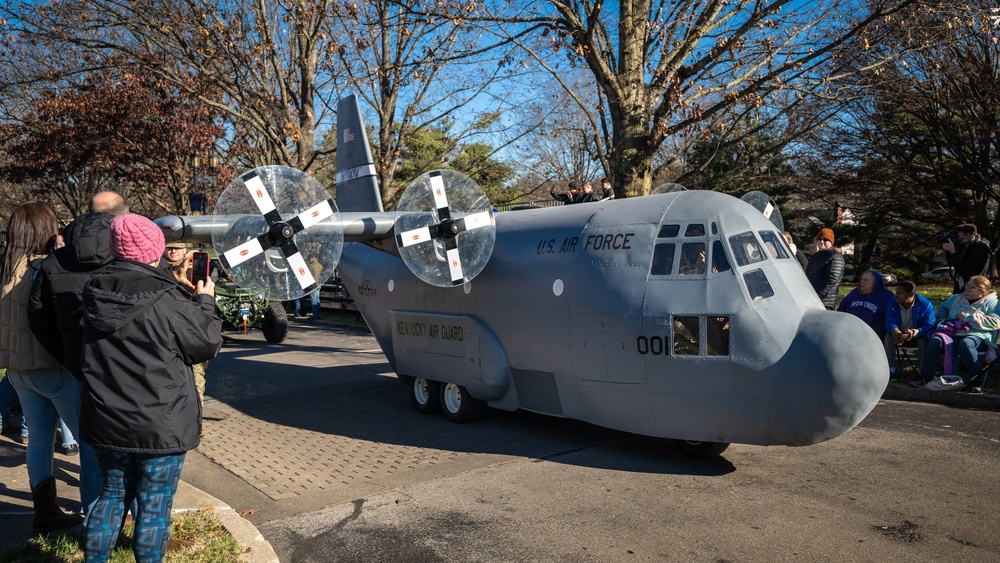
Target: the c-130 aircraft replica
pixel 679 315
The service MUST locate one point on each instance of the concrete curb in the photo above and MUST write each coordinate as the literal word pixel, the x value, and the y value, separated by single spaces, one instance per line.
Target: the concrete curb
pixel 256 548
pixel 905 392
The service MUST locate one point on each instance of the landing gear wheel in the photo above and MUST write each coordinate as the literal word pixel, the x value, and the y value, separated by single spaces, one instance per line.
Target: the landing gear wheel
pixel 457 405
pixel 425 395
pixel 700 449
pixel 274 325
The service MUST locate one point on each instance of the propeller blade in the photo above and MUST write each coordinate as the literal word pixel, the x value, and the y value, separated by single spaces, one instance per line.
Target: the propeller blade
pixel 455 266
pixel 299 267
pixel 240 254
pixel 415 236
pixel 440 197
pixel 313 215
pixel 260 196
pixel 474 221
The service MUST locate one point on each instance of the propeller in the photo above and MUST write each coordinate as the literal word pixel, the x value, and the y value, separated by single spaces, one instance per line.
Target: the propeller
pixel 444 228
pixel 271 249
pixel 763 203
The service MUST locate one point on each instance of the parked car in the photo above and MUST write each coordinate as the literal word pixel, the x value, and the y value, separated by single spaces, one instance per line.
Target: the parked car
pixel 937 275
pixel 889 279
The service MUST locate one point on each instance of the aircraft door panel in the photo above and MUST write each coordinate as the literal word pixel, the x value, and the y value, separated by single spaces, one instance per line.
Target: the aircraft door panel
pixel 625 364
pixel 586 347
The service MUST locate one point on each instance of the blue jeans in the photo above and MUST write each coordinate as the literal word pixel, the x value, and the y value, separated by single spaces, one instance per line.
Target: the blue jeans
pixel 313 301
pixel 67 434
pixel 151 480
pixel 7 394
pixel 46 395
pixel 965 349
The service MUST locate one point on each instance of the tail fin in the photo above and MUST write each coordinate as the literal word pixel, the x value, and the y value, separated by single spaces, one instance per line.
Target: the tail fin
pixel 357 185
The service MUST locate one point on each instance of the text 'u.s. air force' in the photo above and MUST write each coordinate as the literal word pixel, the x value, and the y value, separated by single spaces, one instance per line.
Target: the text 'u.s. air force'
pixel 598 241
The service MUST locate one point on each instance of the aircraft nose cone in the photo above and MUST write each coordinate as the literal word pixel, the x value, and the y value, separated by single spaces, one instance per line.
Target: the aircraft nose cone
pixel 832 376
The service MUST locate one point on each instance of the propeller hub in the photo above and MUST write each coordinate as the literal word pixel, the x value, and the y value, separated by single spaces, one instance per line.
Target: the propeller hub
pixel 448 228
pixel 280 233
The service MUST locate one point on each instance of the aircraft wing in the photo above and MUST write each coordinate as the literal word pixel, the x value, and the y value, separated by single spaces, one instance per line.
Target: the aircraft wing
pixel 198 229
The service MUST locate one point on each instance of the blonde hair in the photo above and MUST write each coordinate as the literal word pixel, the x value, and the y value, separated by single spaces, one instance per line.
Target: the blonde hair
pixel 981 283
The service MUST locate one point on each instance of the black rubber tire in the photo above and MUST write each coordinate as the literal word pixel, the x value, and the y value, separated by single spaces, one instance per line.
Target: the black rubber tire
pixel 701 449
pixel 274 325
pixel 425 395
pixel 458 406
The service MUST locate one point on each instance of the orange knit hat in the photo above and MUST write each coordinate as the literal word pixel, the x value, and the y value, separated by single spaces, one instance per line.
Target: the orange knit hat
pixel 825 233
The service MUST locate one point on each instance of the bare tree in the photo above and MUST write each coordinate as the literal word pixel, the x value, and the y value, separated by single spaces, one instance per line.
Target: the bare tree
pixel 917 150
pixel 562 147
pixel 419 70
pixel 667 67
pixel 270 59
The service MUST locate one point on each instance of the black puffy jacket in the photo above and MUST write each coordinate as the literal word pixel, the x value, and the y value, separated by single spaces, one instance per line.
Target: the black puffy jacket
pixel 825 271
pixel 142 335
pixel 55 312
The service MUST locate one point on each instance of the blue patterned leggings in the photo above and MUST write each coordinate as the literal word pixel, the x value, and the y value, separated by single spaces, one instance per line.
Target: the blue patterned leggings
pixel 152 482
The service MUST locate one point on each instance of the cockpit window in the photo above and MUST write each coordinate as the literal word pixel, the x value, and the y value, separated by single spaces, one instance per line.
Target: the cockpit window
pixel 757 285
pixel 719 261
pixel 669 231
pixel 745 248
pixel 692 259
pixel 695 230
pixel 687 336
pixel 663 260
pixel 774 244
pixel 718 336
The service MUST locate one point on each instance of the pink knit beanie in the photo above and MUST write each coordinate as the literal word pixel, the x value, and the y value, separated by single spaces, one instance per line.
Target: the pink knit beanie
pixel 136 238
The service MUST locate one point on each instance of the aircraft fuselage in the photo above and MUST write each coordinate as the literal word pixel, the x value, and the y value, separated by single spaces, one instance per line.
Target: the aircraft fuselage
pixel 677 315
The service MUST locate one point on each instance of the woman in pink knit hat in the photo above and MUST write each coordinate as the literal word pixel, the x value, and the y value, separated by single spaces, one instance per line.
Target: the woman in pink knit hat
pixel 141 412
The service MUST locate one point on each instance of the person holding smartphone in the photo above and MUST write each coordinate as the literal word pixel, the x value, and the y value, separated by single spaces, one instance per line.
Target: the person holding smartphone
pixel 177 260
pixel 181 264
pixel 140 408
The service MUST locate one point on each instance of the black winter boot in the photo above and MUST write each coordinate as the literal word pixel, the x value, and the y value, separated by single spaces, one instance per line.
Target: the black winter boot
pixel 48 516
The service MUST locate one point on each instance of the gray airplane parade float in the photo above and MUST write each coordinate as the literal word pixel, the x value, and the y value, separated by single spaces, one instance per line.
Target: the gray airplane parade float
pixel 681 314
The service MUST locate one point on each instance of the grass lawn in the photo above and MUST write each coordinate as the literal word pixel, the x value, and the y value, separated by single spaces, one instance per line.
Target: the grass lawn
pixel 195 536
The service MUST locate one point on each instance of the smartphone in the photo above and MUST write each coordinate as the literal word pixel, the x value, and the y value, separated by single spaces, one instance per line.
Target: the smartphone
pixel 199 267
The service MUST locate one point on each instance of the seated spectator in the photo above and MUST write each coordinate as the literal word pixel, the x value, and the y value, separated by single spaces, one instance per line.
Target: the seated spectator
pixel 967 323
pixel 869 301
pixel 909 319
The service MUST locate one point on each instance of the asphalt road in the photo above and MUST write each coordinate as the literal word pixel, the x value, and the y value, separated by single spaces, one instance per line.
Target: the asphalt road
pixel 322 452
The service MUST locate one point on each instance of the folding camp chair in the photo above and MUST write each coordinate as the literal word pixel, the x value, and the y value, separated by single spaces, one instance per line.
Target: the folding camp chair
pixel 905 354
pixel 976 383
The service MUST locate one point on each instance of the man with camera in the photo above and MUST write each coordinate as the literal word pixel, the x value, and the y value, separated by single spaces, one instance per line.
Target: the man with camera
pixel 967 253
